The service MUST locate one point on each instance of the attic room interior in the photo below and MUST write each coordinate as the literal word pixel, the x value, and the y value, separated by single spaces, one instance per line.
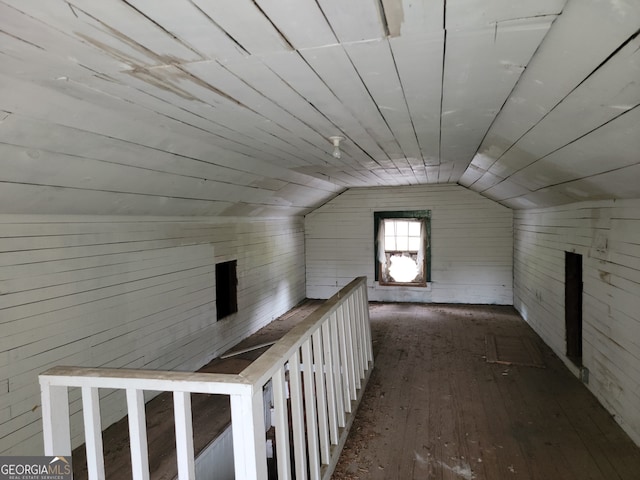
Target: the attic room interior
pixel 159 156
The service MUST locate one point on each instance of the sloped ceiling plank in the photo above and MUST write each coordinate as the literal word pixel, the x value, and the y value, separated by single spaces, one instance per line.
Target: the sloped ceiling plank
pixel 246 24
pixel 81 144
pixel 58 15
pixel 127 123
pixel 25 199
pixel 587 156
pixel 581 38
pixel 301 22
pixel 419 63
pixel 192 26
pixel 605 95
pixel 411 18
pixel 473 94
pixel 376 67
pixel 313 147
pixel 294 70
pixel 471 14
pixel 335 69
pixel 188 93
pixel 355 20
pixel 122 21
pixel 259 77
pixel 60 48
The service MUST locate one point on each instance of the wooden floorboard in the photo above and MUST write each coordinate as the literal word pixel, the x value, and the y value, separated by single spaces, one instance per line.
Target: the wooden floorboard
pixel 435 408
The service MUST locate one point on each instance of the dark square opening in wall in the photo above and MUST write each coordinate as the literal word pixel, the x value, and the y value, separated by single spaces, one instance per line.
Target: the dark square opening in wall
pixel 226 289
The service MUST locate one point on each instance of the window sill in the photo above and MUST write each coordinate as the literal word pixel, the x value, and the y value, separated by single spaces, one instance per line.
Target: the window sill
pixel 411 288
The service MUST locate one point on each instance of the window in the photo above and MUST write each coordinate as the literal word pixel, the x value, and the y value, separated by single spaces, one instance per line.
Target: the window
pixel 402 247
pixel 226 289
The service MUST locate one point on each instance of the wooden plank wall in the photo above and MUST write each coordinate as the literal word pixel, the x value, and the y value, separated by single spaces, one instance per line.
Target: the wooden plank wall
pixel 607 235
pixel 471 244
pixel 128 292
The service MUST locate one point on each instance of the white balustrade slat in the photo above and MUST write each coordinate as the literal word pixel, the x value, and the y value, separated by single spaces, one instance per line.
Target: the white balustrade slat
pixel 321 395
pixel 353 377
pixel 367 325
pixel 137 434
pixel 330 381
pixel 310 411
pixel 354 344
pixel 55 420
pixel 281 424
pixel 345 370
pixel 297 416
pixel 337 369
pixel 93 433
pixel 184 435
pixel 359 306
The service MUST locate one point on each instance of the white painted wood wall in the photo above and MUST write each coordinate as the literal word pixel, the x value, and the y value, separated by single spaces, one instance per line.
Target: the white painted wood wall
pixel 471 244
pixel 607 235
pixel 136 292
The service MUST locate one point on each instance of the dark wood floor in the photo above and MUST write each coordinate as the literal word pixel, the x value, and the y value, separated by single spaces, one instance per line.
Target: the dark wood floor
pixel 436 409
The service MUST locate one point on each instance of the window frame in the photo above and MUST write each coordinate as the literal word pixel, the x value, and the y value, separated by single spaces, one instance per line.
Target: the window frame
pixel 423 215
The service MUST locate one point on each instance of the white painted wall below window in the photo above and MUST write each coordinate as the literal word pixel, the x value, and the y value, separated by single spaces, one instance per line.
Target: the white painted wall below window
pixel 471 244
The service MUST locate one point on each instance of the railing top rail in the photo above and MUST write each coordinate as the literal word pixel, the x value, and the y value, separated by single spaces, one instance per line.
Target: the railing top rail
pixel 263 368
pixel 215 383
pixel 254 376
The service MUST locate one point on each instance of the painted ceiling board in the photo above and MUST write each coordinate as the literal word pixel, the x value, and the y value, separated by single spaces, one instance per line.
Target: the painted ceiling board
pixel 301 22
pixel 355 20
pixel 245 24
pixel 335 68
pixel 191 26
pixel 473 94
pixel 376 66
pixel 419 63
pixel 584 36
pixel 468 14
pixel 589 155
pixel 296 72
pixel 409 18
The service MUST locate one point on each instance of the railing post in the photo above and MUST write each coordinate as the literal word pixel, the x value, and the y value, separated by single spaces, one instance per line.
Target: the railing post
pixel 55 419
pixel 184 435
pixel 249 435
pixel 93 433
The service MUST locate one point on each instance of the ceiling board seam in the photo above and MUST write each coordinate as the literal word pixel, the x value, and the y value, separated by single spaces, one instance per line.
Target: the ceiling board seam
pixel 152 195
pixel 377 107
pixel 338 98
pixel 217 25
pixel 172 35
pixel 313 106
pixel 509 96
pixel 275 27
pixel 566 145
pixel 444 60
pixel 406 103
pixel 609 57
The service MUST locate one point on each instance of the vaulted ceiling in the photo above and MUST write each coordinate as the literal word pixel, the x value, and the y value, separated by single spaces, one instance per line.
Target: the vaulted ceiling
pixel 225 107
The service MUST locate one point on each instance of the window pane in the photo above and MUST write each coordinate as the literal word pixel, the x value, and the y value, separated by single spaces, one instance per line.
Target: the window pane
pixel 403 228
pixel 414 229
pixel 389 243
pixel 402 243
pixel 414 244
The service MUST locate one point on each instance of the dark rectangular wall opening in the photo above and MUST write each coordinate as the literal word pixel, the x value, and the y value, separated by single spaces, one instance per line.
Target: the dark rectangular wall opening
pixel 226 289
pixel 573 306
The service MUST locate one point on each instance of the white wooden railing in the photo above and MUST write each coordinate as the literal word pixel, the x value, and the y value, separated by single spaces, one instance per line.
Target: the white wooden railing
pixel 322 364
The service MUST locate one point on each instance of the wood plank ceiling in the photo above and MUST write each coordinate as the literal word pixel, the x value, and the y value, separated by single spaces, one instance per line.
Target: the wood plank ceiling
pixel 225 107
